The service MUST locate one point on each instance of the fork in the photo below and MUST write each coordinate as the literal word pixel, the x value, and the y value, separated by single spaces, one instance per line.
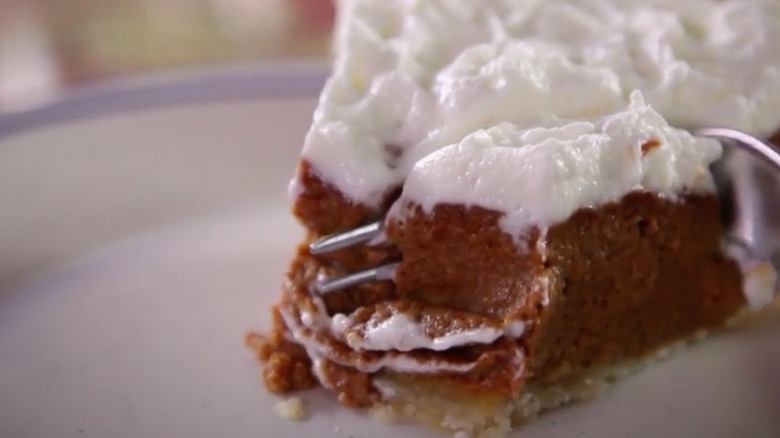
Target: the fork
pixel 747 181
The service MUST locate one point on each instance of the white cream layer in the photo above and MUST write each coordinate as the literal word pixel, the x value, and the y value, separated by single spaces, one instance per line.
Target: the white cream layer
pixel 401 332
pixel 420 75
pixel 542 175
pixel 400 361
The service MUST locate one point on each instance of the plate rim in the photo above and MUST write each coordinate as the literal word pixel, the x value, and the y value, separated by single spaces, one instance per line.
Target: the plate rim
pixel 170 87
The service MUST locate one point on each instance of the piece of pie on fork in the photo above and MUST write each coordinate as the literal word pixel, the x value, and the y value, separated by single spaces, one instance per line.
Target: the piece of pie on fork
pixel 552 230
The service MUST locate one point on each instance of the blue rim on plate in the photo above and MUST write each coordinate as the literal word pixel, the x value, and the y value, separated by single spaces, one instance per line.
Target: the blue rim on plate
pixel 206 84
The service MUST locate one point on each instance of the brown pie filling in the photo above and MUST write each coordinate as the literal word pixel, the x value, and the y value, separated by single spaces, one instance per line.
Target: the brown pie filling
pixel 608 284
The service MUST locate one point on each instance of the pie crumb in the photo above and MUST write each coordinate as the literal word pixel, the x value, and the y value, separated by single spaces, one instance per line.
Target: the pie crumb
pixel 291 409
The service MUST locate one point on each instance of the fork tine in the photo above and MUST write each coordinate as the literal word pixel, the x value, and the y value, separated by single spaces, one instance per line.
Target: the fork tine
pixel 745 141
pixel 346 239
pixel 328 285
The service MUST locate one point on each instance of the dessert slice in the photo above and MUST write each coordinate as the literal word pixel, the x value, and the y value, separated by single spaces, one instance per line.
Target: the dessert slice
pixel 552 228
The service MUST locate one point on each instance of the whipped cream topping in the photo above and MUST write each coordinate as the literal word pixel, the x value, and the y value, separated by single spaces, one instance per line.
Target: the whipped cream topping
pixel 414 76
pixel 542 175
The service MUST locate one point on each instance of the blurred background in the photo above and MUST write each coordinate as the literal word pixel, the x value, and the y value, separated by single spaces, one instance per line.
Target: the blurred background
pixel 50 46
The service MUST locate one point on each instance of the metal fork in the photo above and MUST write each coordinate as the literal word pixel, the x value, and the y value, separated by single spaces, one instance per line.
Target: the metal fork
pixel 747 180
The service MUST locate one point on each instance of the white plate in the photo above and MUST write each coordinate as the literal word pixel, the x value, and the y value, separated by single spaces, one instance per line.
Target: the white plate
pixel 137 249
